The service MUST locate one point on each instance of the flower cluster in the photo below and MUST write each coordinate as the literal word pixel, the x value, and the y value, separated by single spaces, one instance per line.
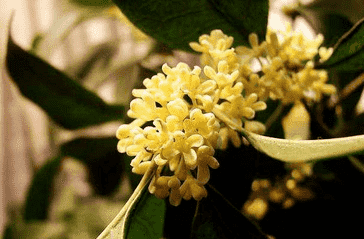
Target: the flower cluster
pixel 181 117
pixel 184 114
pixel 286 64
pixel 287 67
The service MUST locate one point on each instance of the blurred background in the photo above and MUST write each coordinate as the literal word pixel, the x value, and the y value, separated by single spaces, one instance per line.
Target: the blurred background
pixel 94 44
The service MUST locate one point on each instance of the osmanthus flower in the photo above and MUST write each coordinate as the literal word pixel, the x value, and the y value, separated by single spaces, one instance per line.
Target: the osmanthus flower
pixel 287 68
pixel 184 114
pixel 181 118
pixel 222 64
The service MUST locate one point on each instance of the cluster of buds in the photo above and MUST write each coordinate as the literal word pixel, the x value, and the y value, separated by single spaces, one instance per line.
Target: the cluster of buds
pixel 191 113
pixel 286 67
pixel 184 114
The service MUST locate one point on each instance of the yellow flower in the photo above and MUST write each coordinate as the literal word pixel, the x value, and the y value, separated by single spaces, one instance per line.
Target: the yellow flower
pixel 203 124
pixel 191 188
pixel 190 112
pixel 215 48
pixel 187 108
pixel 205 160
pixel 287 69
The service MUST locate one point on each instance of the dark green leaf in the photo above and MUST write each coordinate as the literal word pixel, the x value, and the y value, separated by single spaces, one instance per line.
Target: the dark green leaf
pixel 217 218
pixel 38 197
pixel 178 22
pixel 349 50
pixel 251 15
pixel 146 220
pixel 65 101
pixel 178 220
pixel 104 162
pixel 89 149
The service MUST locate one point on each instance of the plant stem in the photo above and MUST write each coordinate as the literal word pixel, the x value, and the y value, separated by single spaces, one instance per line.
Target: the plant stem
pixel 348 89
pixel 274 116
pixel 120 216
pixel 357 163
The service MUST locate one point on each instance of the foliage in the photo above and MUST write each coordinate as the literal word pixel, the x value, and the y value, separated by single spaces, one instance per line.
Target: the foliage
pixel 215 116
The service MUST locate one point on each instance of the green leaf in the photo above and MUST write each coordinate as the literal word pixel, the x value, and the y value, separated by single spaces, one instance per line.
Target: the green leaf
pixel 179 217
pixel 305 150
pixel 65 101
pixel 178 22
pixel 40 191
pixel 89 149
pixel 349 50
pixel 216 218
pixel 146 218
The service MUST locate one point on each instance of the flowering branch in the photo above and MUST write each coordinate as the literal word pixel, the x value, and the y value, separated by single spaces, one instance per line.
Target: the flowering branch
pixel 193 112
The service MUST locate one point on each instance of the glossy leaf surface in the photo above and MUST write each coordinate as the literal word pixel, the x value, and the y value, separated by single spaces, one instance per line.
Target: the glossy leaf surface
pixel 349 50
pixel 146 219
pixel 65 101
pixel 178 22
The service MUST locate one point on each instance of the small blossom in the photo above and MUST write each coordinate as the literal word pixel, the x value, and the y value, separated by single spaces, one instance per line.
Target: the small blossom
pixel 203 124
pixel 191 188
pixel 325 53
pixel 215 48
pixel 205 160
pixel 178 108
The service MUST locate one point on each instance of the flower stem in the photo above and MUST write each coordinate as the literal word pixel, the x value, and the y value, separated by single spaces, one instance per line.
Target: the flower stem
pixel 357 163
pixel 274 116
pixel 349 89
pixel 120 216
